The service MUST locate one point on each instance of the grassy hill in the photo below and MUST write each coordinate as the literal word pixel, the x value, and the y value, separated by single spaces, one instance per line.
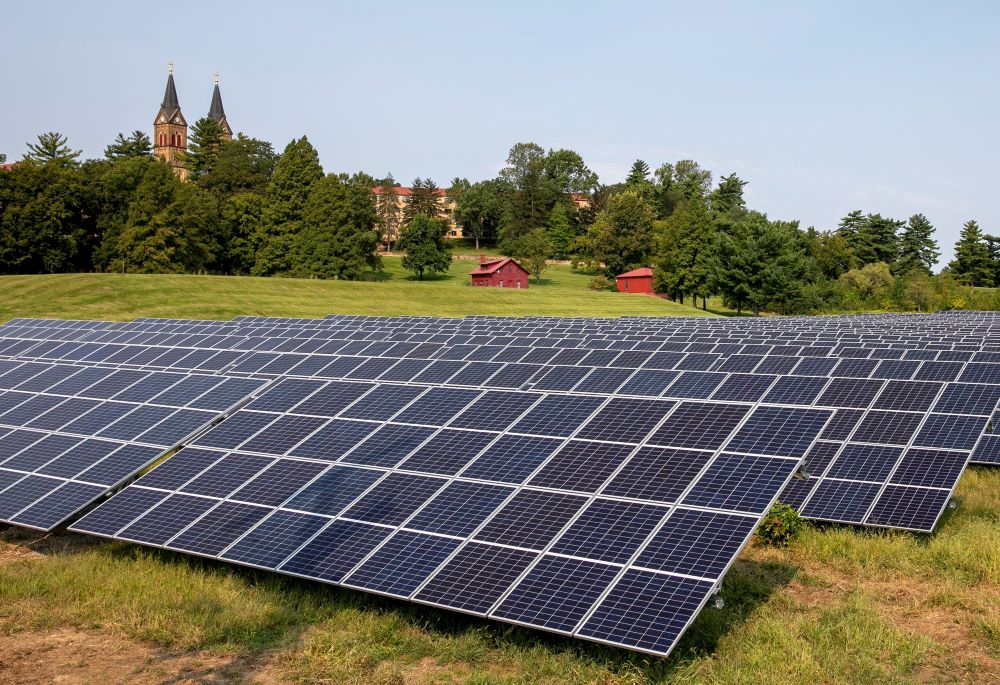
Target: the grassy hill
pixel 563 292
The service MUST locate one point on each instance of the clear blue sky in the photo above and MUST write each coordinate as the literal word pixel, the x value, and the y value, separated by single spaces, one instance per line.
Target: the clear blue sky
pixel 888 107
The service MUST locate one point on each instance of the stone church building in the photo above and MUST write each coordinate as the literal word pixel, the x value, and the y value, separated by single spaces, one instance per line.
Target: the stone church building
pixel 170 126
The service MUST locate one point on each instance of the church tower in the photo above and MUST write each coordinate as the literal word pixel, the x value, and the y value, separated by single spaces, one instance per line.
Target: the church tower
pixel 170 129
pixel 219 114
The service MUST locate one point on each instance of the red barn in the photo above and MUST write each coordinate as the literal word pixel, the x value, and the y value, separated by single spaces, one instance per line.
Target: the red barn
pixel 635 281
pixel 499 272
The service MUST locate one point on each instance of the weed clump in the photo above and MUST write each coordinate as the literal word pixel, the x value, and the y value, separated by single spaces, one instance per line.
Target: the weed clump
pixel 780 527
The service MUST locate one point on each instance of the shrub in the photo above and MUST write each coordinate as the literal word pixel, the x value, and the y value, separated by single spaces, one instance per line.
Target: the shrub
pixel 781 525
pixel 599 283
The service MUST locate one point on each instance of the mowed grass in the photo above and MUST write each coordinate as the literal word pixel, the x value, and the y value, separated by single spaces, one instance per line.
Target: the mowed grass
pixel 841 605
pixel 391 292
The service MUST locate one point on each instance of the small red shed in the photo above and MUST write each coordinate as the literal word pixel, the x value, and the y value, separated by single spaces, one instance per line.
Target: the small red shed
pixel 635 281
pixel 500 272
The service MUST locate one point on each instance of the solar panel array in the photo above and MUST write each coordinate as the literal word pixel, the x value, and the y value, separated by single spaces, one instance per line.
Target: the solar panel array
pixel 593 477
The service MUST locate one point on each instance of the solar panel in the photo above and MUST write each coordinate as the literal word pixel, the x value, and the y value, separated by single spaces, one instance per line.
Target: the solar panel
pixel 614 470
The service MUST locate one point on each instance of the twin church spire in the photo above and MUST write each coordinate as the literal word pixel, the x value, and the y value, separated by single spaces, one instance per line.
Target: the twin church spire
pixel 170 127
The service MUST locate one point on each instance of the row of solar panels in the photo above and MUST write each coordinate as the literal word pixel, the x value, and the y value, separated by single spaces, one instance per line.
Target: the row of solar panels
pixel 582 509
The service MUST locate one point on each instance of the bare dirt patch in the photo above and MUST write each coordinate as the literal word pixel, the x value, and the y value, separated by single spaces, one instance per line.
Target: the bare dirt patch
pixel 75 657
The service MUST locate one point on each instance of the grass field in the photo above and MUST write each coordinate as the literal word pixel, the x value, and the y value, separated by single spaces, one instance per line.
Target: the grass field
pixel 839 606
pixel 563 292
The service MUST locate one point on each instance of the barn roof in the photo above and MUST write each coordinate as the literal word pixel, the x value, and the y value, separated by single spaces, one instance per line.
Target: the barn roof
pixel 492 265
pixel 643 272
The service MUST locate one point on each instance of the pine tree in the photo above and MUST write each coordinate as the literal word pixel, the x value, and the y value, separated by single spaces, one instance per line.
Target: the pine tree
pixel 850 225
pixel 388 212
pixel 918 251
pixel 52 147
pixel 338 236
pixel 137 144
pixel 203 146
pixel 423 200
pixel 973 264
pixel 728 196
pixel 297 170
pixel 638 175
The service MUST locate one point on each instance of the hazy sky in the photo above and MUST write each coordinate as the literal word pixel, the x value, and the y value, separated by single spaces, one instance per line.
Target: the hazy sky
pixel 888 107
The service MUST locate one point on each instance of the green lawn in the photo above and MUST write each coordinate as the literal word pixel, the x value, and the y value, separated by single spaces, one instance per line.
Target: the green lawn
pixel 563 292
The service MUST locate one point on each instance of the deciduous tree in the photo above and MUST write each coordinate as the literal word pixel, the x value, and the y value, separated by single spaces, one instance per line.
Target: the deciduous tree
pixel 426 250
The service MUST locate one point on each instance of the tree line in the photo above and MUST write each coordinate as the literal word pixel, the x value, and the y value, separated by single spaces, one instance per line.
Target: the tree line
pixel 247 210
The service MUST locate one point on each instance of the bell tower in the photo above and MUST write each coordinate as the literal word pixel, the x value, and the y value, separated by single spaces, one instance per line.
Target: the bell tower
pixel 218 113
pixel 170 129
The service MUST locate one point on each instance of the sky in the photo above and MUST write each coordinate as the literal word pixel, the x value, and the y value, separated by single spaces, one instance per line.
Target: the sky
pixel 823 107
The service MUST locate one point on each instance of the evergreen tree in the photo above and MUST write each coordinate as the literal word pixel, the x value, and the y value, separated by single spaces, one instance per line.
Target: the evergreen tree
pixel 203 147
pixel 3 158
pixel 727 198
pixel 423 200
pixel 638 175
pixel 759 265
pixel 686 261
pixel 52 147
pixel 388 212
pixel 973 264
pixel 239 222
pixel 426 249
pixel 171 226
pixel 917 248
pixel 850 225
pixel 872 237
pixel 338 236
pixel 137 144
pixel 297 170
pixel 622 236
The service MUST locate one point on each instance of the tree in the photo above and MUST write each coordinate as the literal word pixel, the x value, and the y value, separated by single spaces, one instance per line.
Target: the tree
pixel 534 251
pixel 686 260
pixel 918 251
pixel 758 264
pixel 426 249
pixel 338 236
pixel 294 174
pixel 170 228
pixel 240 217
pixel 480 210
pixel 692 181
pixel 388 212
pixel 833 255
pixel 622 236
pixel 137 144
pixel 240 165
pixel 3 158
pixel 870 282
pixel 728 197
pixel 203 146
pixel 423 200
pixel 457 188
pixel 44 220
pixel 872 237
pixel 52 147
pixel 638 175
pixel 561 230
pixel 973 264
